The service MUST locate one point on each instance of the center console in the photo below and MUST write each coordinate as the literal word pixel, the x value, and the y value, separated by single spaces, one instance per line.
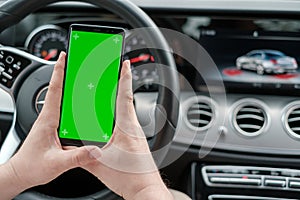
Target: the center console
pixel 218 182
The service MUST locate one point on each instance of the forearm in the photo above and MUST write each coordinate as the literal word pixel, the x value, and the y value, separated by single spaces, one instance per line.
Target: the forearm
pixel 10 184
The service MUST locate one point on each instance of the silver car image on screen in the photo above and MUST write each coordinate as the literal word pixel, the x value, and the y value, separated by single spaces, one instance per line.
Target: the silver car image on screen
pixel 267 61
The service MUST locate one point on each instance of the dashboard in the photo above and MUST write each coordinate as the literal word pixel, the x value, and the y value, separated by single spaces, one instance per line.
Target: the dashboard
pixel 48 37
pixel 240 85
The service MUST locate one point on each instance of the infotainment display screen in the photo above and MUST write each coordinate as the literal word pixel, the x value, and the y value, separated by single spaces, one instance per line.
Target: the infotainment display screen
pixel 255 54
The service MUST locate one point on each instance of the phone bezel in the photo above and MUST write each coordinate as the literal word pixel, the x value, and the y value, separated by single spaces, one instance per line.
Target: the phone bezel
pixel 95 29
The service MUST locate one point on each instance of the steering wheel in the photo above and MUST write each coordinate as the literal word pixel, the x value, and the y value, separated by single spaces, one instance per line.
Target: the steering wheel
pixel 31 75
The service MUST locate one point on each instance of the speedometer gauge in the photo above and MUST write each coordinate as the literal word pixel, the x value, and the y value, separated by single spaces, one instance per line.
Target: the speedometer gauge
pixel 144 73
pixel 47 42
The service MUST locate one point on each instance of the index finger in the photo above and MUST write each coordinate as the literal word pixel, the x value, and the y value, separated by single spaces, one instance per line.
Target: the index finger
pixel 53 97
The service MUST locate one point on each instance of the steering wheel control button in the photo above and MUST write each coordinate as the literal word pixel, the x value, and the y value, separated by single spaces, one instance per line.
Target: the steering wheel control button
pixel 16 66
pixel 11 66
pixel 1 68
pixel 7 75
pixel 275 182
pixel 10 71
pixel 9 60
pixel 4 80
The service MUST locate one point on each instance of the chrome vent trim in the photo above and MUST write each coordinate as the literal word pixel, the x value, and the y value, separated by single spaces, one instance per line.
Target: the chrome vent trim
pixel 250 117
pixel 200 113
pixel 291 119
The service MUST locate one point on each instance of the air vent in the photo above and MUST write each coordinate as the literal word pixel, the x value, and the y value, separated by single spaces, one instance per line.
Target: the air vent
pixel 250 118
pixel 292 119
pixel 200 113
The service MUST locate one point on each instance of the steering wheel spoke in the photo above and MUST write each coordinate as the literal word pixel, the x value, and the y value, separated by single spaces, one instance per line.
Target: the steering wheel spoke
pixel 10 145
pixel 14 66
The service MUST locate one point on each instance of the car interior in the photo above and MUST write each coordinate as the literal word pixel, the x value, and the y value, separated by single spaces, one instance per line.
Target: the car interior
pixel 216 130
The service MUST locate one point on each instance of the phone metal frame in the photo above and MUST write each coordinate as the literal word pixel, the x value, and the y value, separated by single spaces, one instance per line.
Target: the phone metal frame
pixel 95 29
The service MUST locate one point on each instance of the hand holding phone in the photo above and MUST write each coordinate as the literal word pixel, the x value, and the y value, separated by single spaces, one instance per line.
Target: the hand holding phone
pixel 94 59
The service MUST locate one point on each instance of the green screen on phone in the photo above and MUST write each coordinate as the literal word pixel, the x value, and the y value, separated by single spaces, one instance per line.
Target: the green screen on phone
pixel 90 87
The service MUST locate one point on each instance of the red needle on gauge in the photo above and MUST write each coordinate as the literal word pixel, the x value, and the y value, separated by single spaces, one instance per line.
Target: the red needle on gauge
pixel 143 57
pixel 51 54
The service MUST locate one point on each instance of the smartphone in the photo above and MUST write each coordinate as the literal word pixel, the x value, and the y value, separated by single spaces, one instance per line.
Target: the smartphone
pixel 93 65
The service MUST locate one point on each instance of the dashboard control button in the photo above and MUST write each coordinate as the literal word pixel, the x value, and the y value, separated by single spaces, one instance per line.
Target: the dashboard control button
pixel 233 180
pixel 294 184
pixel 275 173
pixel 251 177
pixel 223 130
pixel 274 182
pixel 1 69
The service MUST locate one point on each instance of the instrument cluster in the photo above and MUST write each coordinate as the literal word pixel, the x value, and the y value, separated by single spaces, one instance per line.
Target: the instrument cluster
pixel 48 41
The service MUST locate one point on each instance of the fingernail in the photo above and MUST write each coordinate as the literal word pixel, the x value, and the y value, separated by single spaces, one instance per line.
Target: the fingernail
pixel 61 55
pixel 95 153
pixel 127 62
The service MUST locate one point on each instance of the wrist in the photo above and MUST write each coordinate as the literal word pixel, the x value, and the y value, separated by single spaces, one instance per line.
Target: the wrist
pixel 15 177
pixel 153 192
pixel 10 184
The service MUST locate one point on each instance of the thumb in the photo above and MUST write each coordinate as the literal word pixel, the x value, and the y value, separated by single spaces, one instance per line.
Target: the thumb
pixel 77 157
pixel 126 119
